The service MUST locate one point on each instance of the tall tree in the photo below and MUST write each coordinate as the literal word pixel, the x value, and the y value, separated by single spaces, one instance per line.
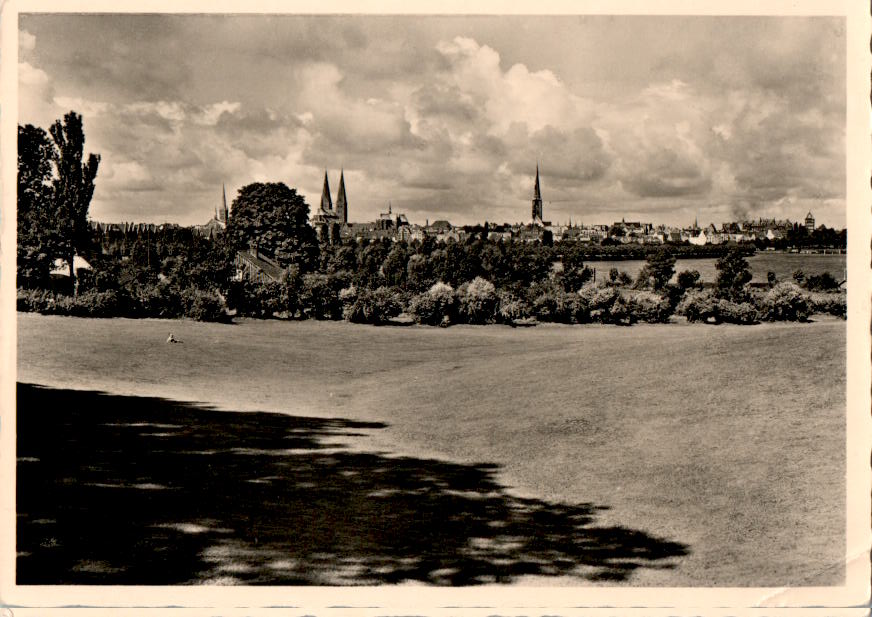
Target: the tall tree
pixel 273 218
pixel 658 269
pixel 35 218
pixel 733 275
pixel 73 186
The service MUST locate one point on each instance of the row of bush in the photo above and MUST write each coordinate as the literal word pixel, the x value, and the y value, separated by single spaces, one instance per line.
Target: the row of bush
pixel 475 302
pixel 164 301
pixel 480 302
pixel 783 302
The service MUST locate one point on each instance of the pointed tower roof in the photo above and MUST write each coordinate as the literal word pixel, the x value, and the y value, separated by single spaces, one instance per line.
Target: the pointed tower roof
pixel 340 196
pixel 326 201
pixel 223 214
pixel 536 192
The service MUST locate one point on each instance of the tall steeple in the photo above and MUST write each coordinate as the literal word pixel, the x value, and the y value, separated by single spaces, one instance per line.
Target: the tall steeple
pixel 326 201
pixel 537 199
pixel 342 200
pixel 223 212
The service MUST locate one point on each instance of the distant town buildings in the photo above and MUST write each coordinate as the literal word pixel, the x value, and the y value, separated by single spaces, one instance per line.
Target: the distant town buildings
pixel 332 225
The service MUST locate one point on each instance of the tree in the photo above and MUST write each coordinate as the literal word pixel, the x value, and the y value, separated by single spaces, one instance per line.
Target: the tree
pixel 658 269
pixel 688 279
pixel 574 273
pixel 273 218
pixel 733 275
pixel 798 235
pixel 73 186
pixel 394 266
pixel 35 217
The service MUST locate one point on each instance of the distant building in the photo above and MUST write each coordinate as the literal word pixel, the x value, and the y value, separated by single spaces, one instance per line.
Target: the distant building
pixel 218 223
pixel 253 266
pixel 326 220
pixel 809 222
pixel 440 226
pixel 537 200
pixel 538 213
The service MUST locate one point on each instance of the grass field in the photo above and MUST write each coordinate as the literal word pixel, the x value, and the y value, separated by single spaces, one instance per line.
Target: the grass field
pixel 674 455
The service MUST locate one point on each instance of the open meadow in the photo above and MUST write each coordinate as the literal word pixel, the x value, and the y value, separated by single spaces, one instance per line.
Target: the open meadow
pixel 270 452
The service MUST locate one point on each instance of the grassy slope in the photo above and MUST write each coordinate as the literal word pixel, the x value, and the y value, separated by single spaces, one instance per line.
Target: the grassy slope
pixel 729 439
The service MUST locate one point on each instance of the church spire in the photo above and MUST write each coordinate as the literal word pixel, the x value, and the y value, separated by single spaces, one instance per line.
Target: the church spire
pixel 342 200
pixel 537 199
pixel 326 201
pixel 536 192
pixel 224 213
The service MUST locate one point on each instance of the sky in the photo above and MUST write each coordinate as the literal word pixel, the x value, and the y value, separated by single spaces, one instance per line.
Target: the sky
pixel 659 119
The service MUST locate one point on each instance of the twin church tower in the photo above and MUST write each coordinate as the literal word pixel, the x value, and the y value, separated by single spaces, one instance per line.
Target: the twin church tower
pixel 327 211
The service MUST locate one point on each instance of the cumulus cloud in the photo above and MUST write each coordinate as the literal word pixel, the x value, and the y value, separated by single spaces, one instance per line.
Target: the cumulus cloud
pixel 29 76
pixel 448 117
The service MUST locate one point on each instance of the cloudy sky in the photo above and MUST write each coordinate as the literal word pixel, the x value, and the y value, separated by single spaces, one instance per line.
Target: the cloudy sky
pixel 654 118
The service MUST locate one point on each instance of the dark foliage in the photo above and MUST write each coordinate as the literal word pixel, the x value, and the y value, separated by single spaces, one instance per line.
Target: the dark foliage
pixel 733 277
pixel 689 279
pixel 658 269
pixel 274 219
pixel 371 306
pixel 821 282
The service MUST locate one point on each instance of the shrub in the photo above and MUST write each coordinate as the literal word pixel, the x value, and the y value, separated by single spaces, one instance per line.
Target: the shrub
pixel 737 312
pixel 706 307
pixel 559 306
pixel 599 300
pixel 203 305
pixel 435 306
pixel 699 306
pixel 821 282
pixel 477 301
pixel 94 303
pixel 785 302
pixel 619 312
pixel 512 308
pixel 34 300
pixel 647 306
pixel 829 304
pixel 319 296
pixel 146 300
pixel 370 306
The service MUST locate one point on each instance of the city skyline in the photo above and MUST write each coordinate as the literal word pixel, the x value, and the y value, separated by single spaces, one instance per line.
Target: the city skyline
pixel 653 118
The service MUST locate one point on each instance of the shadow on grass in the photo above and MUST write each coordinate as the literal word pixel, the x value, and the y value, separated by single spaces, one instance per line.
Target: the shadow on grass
pixel 133 490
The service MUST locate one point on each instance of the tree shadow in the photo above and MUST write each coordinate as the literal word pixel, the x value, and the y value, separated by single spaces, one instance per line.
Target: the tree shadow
pixel 147 491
